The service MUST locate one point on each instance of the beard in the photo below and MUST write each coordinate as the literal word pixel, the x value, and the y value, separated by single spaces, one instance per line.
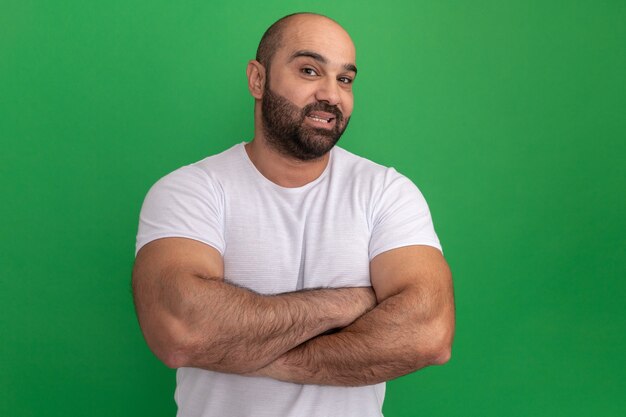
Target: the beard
pixel 285 129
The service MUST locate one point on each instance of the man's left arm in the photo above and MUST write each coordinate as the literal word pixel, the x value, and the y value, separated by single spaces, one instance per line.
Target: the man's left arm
pixel 412 327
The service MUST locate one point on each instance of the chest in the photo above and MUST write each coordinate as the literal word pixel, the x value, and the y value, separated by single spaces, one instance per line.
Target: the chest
pixel 286 242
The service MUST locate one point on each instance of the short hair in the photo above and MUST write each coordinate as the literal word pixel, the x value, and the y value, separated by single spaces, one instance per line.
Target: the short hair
pixel 272 39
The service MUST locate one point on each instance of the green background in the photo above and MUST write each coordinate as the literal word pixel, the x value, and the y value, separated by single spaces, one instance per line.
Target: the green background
pixel 509 115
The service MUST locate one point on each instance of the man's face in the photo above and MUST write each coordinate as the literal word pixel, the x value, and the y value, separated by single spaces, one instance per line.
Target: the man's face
pixel 287 127
pixel 307 100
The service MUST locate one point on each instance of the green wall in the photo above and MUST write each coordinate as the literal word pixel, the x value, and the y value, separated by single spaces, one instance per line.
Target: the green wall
pixel 509 115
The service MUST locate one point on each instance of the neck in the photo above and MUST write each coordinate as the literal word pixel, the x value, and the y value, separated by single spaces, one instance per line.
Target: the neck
pixel 280 169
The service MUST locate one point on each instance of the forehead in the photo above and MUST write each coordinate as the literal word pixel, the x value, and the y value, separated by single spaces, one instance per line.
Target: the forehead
pixel 320 35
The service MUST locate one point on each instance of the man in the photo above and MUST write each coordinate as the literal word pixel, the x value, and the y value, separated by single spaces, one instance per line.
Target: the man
pixel 287 276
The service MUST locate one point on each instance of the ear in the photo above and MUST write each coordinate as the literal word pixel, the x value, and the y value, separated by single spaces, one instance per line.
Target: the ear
pixel 256 78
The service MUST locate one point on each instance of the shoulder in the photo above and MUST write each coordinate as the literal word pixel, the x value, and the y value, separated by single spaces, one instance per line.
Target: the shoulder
pixel 349 161
pixel 196 186
pixel 222 163
pixel 202 174
pixel 364 171
pixel 187 202
pixel 357 170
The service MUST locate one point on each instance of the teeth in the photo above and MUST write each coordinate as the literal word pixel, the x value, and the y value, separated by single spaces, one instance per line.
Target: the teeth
pixel 319 119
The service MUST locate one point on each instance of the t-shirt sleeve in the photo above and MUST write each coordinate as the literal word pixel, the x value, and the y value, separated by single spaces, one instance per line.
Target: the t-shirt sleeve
pixel 401 217
pixel 184 203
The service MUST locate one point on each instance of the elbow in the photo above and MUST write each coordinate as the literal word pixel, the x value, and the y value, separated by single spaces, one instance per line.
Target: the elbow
pixel 438 350
pixel 174 346
pixel 442 356
pixel 170 342
pixel 174 359
pixel 444 338
pixel 183 350
pixel 179 345
pixel 436 354
pixel 174 356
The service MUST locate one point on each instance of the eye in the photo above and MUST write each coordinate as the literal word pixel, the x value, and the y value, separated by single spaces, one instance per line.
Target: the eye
pixel 309 71
pixel 345 80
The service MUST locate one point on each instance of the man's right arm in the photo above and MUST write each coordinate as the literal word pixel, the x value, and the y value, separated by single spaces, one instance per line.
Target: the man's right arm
pixel 191 317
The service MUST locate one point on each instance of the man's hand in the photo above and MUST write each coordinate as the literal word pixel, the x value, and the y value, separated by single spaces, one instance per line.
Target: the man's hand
pixel 192 317
pixel 411 328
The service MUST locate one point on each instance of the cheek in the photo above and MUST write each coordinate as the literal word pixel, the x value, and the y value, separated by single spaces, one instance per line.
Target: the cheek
pixel 299 94
pixel 304 96
pixel 348 105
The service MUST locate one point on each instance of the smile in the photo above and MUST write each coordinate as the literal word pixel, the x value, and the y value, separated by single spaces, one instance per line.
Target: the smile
pixel 321 119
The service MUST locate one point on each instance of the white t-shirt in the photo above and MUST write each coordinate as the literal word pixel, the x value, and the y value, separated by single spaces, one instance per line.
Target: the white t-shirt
pixel 275 239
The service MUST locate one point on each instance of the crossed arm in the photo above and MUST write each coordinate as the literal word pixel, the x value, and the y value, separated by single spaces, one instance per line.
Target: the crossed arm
pixel 190 316
pixel 412 327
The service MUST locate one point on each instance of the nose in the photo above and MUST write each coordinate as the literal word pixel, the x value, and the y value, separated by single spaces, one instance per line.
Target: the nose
pixel 328 91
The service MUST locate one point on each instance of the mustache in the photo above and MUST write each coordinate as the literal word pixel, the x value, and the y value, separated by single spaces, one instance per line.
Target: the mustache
pixel 325 107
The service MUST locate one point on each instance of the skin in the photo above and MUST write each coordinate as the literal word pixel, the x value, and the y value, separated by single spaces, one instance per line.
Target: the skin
pixel 302 81
pixel 411 327
pixel 192 316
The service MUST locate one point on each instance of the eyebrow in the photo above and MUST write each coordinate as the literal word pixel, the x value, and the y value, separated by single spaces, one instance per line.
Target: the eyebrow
pixel 319 58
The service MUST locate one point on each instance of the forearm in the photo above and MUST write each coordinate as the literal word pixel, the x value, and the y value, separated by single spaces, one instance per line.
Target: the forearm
pixel 231 329
pixel 392 340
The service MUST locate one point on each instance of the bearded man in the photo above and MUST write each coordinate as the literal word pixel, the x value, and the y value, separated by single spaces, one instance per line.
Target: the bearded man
pixel 286 276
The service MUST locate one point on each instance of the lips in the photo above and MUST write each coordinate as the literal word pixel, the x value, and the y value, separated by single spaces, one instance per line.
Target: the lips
pixel 321 116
